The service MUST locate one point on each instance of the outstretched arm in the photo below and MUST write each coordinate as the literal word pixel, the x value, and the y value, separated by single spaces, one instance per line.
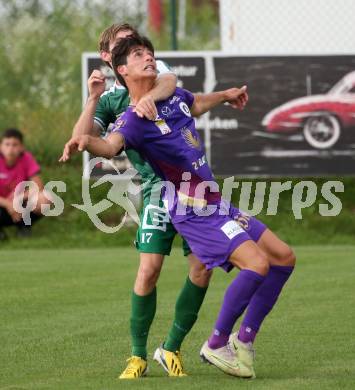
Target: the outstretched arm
pixel 236 97
pixel 107 147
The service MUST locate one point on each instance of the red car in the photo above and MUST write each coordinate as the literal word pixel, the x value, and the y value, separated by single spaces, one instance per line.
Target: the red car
pixel 320 117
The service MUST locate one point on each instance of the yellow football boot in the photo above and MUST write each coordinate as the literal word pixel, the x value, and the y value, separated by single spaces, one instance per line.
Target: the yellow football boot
pixel 170 361
pixel 136 368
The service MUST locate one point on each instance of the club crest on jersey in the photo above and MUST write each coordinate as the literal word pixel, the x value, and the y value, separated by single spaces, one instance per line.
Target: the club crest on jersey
pixel 189 138
pixel 185 109
pixel 120 123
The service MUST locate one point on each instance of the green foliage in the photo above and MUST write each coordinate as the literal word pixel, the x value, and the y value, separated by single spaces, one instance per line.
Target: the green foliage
pixel 40 61
pixel 202 27
pixel 40 67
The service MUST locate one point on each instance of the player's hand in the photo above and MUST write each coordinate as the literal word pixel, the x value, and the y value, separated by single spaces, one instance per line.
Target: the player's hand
pixel 146 108
pixel 96 84
pixel 74 145
pixel 237 97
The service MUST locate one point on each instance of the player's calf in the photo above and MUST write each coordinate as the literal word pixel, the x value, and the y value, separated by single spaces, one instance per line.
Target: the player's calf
pixel 282 261
pixel 148 272
pixel 198 274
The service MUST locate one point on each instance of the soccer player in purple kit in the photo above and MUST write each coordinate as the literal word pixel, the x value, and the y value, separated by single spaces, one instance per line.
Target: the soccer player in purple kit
pixel 210 225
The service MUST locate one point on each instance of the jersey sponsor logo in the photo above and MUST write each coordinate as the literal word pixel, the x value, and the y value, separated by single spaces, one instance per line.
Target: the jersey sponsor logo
pixel 162 125
pixel 243 220
pixel 231 229
pixel 185 109
pixel 155 217
pixel 174 99
pixel 193 142
pixel 167 111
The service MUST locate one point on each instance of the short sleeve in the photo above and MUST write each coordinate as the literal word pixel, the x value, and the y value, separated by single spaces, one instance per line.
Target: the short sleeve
pixel 163 68
pixel 132 132
pixel 103 115
pixel 188 97
pixel 31 165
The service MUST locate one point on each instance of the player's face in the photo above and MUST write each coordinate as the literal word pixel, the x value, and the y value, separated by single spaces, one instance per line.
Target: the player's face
pixel 106 56
pixel 11 148
pixel 141 64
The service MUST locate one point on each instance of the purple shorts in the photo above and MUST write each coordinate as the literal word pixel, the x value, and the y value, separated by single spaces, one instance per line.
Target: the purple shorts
pixel 214 238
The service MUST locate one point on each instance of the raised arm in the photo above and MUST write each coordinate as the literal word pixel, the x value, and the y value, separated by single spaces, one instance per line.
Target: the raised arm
pixel 107 148
pixel 236 97
pixel 85 123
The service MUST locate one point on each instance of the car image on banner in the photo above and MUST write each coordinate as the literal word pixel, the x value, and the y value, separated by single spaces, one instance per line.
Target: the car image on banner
pixel 321 118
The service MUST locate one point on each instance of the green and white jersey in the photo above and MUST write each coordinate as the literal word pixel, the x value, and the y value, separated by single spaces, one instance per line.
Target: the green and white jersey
pixel 110 106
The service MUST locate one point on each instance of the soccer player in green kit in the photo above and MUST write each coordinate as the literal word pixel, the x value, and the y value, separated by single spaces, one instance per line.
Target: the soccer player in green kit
pixel 153 241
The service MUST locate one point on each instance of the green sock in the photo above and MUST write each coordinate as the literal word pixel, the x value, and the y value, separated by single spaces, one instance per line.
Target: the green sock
pixel 186 310
pixel 142 314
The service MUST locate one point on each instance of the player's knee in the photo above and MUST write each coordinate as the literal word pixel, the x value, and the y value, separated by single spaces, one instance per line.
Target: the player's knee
pixel 285 256
pixel 260 263
pixel 290 257
pixel 148 274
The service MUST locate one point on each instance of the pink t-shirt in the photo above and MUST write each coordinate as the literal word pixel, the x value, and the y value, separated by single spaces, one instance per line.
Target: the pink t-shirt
pixel 26 167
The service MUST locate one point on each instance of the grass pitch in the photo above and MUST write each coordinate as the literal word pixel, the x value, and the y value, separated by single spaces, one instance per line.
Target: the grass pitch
pixel 64 318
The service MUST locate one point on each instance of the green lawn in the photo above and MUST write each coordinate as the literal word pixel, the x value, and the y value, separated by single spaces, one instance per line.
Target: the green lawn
pixel 64 323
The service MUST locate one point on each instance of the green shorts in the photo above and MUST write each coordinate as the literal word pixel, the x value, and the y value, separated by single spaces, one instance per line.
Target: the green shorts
pixel 156 232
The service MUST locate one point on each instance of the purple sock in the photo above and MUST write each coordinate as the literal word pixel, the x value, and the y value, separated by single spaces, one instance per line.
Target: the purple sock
pixel 236 299
pixel 263 301
pixel 217 339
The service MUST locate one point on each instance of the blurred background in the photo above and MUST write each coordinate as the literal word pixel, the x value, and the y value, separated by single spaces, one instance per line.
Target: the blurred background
pixel 41 44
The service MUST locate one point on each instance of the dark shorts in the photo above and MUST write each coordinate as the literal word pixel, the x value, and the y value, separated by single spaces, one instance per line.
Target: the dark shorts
pixel 6 220
pixel 214 238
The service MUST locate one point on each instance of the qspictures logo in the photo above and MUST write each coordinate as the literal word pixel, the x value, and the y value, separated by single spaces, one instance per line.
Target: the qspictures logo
pixel 255 197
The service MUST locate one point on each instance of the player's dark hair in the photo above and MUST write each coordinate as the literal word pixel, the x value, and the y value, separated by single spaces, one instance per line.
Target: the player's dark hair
pixel 122 50
pixel 12 133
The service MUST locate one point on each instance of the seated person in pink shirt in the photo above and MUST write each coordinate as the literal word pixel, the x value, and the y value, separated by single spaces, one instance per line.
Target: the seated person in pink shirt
pixel 17 165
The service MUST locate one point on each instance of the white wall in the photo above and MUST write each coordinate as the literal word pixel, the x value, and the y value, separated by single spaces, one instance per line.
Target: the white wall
pixel 288 26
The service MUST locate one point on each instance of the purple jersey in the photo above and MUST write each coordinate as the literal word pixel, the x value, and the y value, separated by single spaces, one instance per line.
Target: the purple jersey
pixel 172 146
pixel 174 150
